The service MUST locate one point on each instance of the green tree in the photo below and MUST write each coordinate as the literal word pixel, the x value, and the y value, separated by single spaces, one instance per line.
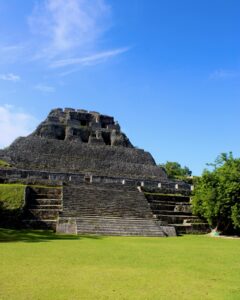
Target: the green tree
pixel 217 193
pixel 175 171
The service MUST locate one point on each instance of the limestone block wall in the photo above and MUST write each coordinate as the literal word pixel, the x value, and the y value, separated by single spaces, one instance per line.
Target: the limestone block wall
pixel 54 155
pixel 59 178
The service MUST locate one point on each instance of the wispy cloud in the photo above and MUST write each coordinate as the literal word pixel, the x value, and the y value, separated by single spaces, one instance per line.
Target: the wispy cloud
pixel 223 74
pixel 63 34
pixel 67 25
pixel 44 88
pixel 10 48
pixel 10 77
pixel 88 60
pixel 11 53
pixel 14 123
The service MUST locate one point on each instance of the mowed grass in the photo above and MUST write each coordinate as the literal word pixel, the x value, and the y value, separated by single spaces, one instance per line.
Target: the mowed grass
pixel 42 265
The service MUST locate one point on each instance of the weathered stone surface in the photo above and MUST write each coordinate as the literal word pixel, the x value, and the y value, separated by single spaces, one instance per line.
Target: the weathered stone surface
pixel 67 226
pixel 174 210
pixel 79 125
pixel 78 141
pixel 107 210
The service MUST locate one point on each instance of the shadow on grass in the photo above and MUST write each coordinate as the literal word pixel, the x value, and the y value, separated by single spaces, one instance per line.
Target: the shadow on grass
pixel 33 236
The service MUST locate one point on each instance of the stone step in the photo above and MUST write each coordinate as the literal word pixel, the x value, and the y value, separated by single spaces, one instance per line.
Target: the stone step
pixel 51 202
pixel 46 206
pixel 171 205
pixel 43 209
pixel 119 215
pixel 118 233
pixel 107 210
pixel 122 227
pixel 174 219
pixel 121 232
pixel 160 212
pixel 42 214
pixel 156 202
pixel 45 196
pixel 98 190
pixel 101 202
pixel 44 190
pixel 101 187
pixel 115 218
pixel 102 211
pixel 102 206
pixel 198 228
pixel 168 198
pixel 118 226
pixel 111 221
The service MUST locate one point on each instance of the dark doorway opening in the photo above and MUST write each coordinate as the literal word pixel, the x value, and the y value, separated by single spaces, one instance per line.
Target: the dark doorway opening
pixel 88 178
pixel 106 137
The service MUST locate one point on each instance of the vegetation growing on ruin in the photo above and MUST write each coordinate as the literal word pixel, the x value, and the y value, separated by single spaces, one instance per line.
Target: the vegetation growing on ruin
pixel 4 164
pixel 11 196
pixel 42 265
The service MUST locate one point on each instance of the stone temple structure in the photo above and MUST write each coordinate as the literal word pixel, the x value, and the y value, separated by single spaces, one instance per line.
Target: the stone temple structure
pixel 84 176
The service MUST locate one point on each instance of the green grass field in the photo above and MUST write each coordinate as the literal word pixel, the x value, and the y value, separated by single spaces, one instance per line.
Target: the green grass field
pixel 42 265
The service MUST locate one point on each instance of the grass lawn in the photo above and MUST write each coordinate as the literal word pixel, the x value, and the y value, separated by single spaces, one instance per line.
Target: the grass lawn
pixel 41 265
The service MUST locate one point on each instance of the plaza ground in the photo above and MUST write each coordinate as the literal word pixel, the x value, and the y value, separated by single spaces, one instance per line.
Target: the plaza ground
pixel 42 265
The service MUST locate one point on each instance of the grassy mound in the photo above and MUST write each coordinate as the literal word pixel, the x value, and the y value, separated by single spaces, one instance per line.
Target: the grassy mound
pixel 11 204
pixel 42 265
pixel 11 196
pixel 4 164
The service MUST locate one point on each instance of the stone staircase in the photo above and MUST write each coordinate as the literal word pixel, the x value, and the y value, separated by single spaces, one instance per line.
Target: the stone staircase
pixel 175 210
pixel 107 209
pixel 123 226
pixel 42 208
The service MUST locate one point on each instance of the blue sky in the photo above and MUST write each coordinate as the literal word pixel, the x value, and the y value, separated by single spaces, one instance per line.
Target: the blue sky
pixel 169 71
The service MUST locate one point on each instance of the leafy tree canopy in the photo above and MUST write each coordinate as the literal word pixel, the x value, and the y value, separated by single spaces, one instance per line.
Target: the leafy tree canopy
pixel 175 171
pixel 217 193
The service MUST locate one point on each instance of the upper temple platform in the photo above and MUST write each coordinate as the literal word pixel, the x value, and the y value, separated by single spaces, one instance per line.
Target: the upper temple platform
pixel 82 126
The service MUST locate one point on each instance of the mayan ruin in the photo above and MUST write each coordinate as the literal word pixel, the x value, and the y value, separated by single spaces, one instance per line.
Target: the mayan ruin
pixel 84 176
pixel 119 156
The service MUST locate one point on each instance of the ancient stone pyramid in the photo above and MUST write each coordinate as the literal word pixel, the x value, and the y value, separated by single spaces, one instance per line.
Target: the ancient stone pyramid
pixel 84 176
pixel 80 141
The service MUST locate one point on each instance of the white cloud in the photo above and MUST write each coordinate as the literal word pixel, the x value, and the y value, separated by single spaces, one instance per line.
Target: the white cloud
pixel 14 123
pixel 9 77
pixel 68 25
pixel 45 88
pixel 12 53
pixel 88 60
pixel 223 74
